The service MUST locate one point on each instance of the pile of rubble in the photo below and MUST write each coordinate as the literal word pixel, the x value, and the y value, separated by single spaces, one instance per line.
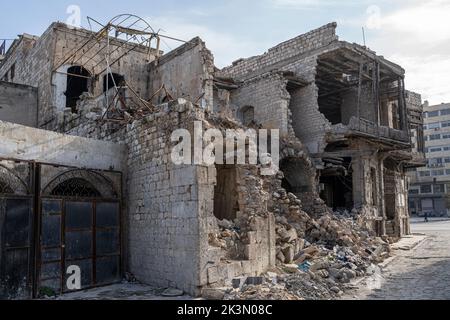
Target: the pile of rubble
pixel 316 258
pixel 287 283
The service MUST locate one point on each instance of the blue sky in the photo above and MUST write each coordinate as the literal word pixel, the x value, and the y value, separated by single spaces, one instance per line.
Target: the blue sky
pixel 412 33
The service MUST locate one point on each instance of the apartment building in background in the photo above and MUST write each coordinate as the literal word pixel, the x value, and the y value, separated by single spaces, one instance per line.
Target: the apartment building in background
pixel 430 186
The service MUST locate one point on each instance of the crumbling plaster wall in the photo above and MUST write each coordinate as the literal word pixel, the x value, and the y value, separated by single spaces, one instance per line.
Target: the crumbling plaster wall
pixel 30 144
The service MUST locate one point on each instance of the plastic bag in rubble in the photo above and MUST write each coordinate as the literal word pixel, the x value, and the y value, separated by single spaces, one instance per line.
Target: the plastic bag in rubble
pixel 305 266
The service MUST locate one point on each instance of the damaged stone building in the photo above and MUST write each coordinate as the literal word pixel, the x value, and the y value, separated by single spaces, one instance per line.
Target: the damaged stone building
pixel 86 176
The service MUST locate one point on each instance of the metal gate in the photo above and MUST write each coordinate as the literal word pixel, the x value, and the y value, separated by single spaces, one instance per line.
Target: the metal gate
pixel 79 227
pixel 16 230
pixel 56 219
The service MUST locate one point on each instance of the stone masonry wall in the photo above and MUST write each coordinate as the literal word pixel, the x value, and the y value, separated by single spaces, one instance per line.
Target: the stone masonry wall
pixel 304 43
pixel 268 96
pixel 164 204
pixel 298 55
pixel 33 60
pixel 18 104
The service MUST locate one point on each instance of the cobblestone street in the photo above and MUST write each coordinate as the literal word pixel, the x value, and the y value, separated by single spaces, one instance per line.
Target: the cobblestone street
pixel 422 273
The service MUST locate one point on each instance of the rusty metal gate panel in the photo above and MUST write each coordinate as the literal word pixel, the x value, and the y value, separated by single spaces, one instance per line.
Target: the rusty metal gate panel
pixel 80 225
pixel 16 229
pixel 53 217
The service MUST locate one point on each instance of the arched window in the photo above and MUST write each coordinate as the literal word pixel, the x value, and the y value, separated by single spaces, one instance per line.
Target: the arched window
pixel 10 183
pixel 77 84
pixel 247 115
pixel 76 187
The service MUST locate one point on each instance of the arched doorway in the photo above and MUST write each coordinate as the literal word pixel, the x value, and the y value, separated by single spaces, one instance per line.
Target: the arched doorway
pixel 247 115
pixel 77 83
pixel 80 227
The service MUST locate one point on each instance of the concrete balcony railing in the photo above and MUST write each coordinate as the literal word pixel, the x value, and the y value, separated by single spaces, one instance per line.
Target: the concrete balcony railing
pixel 369 128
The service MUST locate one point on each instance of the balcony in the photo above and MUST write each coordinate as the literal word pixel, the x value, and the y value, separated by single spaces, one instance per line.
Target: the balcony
pixel 368 129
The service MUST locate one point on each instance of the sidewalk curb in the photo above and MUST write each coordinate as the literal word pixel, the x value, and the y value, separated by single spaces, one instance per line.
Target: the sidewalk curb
pixel 415 245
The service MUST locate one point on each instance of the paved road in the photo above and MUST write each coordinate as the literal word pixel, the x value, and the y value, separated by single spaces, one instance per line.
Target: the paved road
pixel 421 273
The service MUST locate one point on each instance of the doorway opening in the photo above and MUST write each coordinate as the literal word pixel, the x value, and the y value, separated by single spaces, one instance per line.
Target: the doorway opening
pixel 298 178
pixel 389 189
pixel 226 203
pixel 111 80
pixel 336 183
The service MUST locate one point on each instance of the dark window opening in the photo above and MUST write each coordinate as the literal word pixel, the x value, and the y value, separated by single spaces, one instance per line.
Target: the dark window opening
pixel 337 184
pixel 76 187
pixel 390 111
pixel 297 177
pixel 374 182
pixel 112 79
pixel 77 84
pixel 247 115
pixel 13 72
pixel 337 80
pixel 225 193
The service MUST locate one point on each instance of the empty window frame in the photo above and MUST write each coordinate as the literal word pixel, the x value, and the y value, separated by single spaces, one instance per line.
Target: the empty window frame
pixel 426 188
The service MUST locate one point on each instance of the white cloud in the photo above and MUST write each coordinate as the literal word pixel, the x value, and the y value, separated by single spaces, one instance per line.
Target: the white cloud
pixel 418 38
pixel 226 47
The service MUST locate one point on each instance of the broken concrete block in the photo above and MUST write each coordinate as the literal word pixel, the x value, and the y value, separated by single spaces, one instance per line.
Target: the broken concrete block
pixel 250 252
pixel 288 253
pixel 213 275
pixel 213 293
pixel 238 283
pixel 171 292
